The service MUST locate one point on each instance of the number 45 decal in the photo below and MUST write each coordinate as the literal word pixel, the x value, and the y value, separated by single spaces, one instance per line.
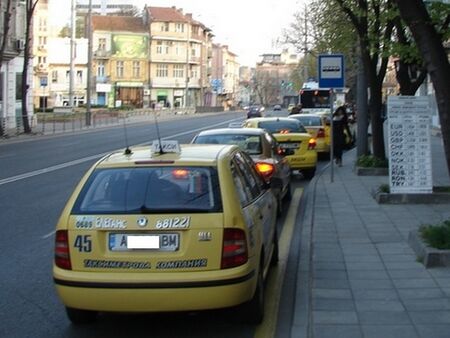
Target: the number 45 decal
pixel 83 243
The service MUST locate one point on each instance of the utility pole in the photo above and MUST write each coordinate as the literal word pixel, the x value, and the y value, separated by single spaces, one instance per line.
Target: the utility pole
pixel 362 118
pixel 72 53
pixel 89 68
pixel 186 89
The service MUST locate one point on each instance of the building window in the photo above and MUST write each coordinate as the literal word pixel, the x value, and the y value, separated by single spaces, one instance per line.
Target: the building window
pixel 194 72
pixel 162 47
pixel 67 75
pixel 178 70
pixel 164 27
pixel 195 30
pixel 18 86
pixel 162 70
pixel 42 40
pixel 179 27
pixel 42 59
pixel 54 76
pixel 79 76
pixel 136 69
pixel 119 69
pixel 178 48
pixel 100 68
pixel 42 24
pixel 102 44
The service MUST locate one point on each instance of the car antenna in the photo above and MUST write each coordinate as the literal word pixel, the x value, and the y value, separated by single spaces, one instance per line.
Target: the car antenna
pixel 127 149
pixel 161 151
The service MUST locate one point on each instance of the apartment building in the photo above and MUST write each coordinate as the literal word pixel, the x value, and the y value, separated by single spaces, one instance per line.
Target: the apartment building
pixel 224 76
pixel 179 58
pixel 40 54
pixel 272 81
pixel 11 67
pixel 120 61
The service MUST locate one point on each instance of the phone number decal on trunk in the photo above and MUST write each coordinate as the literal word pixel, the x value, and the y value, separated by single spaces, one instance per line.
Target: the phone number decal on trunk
pixel 173 223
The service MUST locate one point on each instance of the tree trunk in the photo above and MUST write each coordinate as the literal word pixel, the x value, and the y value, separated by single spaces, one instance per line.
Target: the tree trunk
pixel 415 14
pixel 6 22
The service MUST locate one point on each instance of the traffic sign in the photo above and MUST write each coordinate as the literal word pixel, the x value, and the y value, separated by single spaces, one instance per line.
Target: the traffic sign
pixel 331 71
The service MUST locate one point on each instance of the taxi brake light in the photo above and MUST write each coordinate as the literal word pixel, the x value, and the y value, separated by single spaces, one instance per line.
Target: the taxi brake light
pixel 180 173
pixel 265 169
pixel 311 144
pixel 62 255
pixel 321 133
pixel 234 250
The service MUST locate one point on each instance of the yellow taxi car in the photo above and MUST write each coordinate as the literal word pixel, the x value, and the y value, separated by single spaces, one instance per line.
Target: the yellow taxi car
pixel 318 125
pixel 167 228
pixel 299 146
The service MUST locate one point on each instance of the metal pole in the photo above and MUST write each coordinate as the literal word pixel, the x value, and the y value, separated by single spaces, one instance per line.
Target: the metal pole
pixel 72 53
pixel 331 135
pixel 187 68
pixel 89 69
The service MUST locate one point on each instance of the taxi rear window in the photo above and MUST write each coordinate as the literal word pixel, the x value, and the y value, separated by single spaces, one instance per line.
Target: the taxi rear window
pixel 150 190
pixel 248 143
pixel 309 121
pixel 280 125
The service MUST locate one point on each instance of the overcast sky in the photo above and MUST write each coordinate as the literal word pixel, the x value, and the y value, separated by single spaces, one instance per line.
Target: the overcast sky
pixel 248 27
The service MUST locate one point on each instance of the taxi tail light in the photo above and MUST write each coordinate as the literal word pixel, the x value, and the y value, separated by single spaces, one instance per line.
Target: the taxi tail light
pixel 265 169
pixel 62 256
pixel 234 251
pixel 321 133
pixel 312 144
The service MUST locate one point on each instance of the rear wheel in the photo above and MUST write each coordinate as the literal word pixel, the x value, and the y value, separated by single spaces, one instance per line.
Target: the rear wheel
pixel 309 173
pixel 79 317
pixel 288 195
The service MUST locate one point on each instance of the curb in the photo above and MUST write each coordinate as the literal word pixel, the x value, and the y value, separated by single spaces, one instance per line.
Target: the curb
pixel 430 257
pixel 362 171
pixel 433 198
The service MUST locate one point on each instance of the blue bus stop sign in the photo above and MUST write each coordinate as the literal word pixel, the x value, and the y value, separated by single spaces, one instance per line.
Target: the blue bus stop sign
pixel 331 71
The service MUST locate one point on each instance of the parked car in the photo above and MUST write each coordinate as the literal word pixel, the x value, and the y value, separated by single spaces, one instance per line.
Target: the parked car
pixel 319 128
pixel 167 228
pixel 277 107
pixel 262 148
pixel 298 144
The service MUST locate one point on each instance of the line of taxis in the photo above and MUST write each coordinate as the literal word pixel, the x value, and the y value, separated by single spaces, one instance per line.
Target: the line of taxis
pixel 180 227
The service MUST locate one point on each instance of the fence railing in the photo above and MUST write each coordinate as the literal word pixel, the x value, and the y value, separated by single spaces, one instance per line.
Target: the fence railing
pixel 54 123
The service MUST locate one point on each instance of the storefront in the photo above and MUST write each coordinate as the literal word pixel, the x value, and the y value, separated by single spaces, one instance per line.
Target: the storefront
pixel 130 94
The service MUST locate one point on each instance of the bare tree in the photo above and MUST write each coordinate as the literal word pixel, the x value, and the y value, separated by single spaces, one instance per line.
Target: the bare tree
pixel 30 7
pixel 431 46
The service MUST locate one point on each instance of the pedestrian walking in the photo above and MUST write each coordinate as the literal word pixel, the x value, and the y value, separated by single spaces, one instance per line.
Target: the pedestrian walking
pixel 340 127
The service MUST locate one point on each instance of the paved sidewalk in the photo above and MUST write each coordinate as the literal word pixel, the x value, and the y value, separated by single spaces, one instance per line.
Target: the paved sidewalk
pixel 358 277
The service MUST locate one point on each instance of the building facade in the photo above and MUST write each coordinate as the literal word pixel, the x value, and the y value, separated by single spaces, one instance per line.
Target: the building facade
pixel 120 61
pixel 179 58
pixel 11 67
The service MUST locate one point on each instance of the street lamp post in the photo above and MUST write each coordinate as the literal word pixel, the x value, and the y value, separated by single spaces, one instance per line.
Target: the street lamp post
pixel 89 67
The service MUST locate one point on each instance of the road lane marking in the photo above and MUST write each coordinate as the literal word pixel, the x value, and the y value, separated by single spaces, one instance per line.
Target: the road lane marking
pixel 276 276
pixel 95 157
pixel 48 235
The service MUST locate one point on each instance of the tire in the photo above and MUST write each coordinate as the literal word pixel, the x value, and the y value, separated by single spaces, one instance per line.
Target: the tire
pixel 309 173
pixel 274 259
pixel 80 317
pixel 252 312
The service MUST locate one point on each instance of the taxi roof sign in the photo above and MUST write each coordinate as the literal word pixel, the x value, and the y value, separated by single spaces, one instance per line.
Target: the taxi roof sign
pixel 165 146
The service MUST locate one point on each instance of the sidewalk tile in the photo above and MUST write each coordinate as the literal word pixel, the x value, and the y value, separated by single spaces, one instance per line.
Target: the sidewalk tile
pixel 367 266
pixel 332 293
pixel 330 274
pixel 414 283
pixel 370 284
pixel 422 293
pixel 333 304
pixel 331 284
pixel 362 258
pixel 379 305
pixel 337 331
pixel 389 331
pixel 384 317
pixel 335 317
pixel 434 331
pixel 430 317
pixel 420 272
pixel 427 304
pixel 363 274
pixel 383 294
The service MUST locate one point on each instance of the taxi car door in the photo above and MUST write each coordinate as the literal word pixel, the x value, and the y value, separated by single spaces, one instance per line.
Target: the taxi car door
pixel 258 203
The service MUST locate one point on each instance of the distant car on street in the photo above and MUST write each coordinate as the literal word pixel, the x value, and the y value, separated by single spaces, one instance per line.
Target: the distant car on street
pixel 255 111
pixel 277 107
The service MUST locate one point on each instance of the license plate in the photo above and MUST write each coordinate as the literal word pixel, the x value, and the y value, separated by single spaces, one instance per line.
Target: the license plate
pixel 289 145
pixel 159 242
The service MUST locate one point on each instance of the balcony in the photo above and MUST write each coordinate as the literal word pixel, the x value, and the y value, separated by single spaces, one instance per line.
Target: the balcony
pixel 102 79
pixel 166 58
pixel 195 59
pixel 102 54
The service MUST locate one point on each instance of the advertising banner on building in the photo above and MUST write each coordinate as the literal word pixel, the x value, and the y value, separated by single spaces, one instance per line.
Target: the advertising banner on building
pixel 129 46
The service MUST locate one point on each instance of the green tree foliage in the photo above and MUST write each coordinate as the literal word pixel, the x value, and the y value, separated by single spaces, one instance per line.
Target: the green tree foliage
pixel 79 29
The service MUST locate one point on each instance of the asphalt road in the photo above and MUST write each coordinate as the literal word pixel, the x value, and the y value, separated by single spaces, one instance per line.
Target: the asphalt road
pixel 36 178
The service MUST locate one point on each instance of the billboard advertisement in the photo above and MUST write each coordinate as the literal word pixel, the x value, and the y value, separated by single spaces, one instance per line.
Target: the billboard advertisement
pixel 130 46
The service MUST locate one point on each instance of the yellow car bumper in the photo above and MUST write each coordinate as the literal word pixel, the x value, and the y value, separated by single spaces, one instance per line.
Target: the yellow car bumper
pixel 206 291
pixel 304 161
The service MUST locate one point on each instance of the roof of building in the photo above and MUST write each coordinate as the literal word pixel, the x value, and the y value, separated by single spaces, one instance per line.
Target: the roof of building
pixel 118 23
pixel 168 14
